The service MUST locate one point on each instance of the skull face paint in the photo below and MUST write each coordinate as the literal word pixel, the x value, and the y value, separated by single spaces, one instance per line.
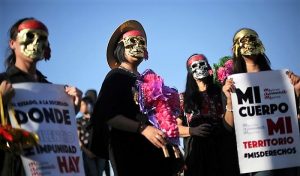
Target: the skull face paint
pixel 136 44
pixel 33 39
pixel 248 42
pixel 198 66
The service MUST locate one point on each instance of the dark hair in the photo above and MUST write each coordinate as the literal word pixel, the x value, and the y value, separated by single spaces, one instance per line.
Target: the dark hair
pixel 87 100
pixel 13 32
pixel 92 94
pixel 192 98
pixel 119 52
pixel 239 65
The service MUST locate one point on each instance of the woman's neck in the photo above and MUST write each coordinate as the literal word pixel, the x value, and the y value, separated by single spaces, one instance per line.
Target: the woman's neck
pixel 201 86
pixel 27 67
pixel 251 65
pixel 129 67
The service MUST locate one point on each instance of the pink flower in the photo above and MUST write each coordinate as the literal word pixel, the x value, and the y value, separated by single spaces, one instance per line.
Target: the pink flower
pixel 221 74
pixel 166 119
pixel 229 65
pixel 161 102
pixel 224 69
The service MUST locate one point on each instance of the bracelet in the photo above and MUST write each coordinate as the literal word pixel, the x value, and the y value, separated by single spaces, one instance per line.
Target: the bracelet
pixel 227 109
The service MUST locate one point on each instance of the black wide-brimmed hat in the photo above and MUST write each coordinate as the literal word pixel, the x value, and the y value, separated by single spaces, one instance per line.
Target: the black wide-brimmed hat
pixel 115 38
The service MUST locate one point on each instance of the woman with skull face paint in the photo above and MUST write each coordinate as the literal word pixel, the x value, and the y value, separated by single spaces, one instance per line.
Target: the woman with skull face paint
pixel 249 56
pixel 29 44
pixel 134 146
pixel 201 122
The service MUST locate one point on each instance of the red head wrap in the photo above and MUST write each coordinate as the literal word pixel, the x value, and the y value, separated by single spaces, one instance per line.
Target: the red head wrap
pixel 133 33
pixel 194 58
pixel 32 24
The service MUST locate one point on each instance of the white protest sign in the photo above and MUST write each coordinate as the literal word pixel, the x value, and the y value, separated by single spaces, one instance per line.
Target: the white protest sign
pixel 265 120
pixel 47 110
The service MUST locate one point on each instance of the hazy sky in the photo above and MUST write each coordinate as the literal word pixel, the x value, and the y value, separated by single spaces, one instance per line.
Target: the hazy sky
pixel 80 30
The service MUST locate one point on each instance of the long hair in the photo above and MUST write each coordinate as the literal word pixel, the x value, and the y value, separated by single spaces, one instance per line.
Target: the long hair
pixel 13 32
pixel 239 65
pixel 192 98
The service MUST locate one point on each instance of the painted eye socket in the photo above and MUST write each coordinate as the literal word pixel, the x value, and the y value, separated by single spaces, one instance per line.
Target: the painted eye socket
pixel 137 41
pixel 142 42
pixel 194 65
pixel 198 64
pixel 252 38
pixel 132 40
pixel 201 63
pixel 30 35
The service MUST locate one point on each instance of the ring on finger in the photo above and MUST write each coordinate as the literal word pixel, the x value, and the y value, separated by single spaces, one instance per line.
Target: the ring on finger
pixel 157 136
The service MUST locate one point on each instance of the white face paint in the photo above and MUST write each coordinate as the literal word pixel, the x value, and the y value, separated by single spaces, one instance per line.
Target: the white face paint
pixel 199 69
pixel 33 43
pixel 136 45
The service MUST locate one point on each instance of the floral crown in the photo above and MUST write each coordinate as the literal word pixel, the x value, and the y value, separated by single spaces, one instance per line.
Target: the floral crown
pixel 222 70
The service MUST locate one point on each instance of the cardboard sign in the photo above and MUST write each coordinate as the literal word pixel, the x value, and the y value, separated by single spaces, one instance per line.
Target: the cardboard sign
pixel 265 120
pixel 49 111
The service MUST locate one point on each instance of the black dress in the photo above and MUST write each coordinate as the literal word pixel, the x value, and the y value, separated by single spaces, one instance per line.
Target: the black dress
pixel 130 152
pixel 211 155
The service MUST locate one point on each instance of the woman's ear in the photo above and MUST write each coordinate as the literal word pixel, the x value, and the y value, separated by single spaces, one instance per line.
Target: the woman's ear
pixel 12 44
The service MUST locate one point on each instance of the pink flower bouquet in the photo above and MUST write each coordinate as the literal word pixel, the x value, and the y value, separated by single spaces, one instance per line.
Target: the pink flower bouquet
pixel 222 70
pixel 161 104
